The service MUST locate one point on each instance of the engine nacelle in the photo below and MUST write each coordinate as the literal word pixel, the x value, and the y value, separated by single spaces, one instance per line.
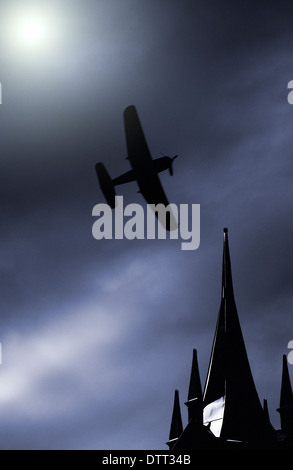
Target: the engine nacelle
pixel 106 184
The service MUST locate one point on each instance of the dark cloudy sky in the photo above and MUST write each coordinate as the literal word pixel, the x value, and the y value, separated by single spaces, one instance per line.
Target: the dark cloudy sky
pixel 96 335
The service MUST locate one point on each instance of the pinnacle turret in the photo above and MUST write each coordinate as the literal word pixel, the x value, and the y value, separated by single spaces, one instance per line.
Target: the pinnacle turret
pixel 194 402
pixel 176 422
pixel 286 401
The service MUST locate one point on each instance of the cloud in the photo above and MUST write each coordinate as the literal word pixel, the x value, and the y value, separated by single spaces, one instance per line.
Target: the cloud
pixel 60 347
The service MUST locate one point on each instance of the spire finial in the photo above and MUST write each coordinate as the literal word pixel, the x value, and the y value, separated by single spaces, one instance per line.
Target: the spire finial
pixel 227 285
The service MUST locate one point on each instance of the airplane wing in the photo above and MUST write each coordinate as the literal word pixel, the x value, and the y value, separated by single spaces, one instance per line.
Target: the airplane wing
pixel 142 162
pixel 137 149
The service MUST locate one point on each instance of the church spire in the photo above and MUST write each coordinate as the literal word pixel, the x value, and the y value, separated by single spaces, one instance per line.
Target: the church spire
pixel 286 401
pixel 231 404
pixel 176 423
pixel 194 402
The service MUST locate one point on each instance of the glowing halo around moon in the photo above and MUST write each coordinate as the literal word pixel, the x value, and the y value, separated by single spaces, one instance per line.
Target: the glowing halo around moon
pixel 30 31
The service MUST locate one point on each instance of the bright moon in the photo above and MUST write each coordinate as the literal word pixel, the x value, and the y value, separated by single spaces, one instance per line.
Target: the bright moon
pixel 30 30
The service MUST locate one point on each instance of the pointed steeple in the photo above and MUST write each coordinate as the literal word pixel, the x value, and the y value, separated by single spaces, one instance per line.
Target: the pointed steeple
pixel 194 402
pixel 176 423
pixel 231 403
pixel 286 401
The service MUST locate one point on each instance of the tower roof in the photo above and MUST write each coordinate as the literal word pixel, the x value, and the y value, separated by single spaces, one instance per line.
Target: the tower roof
pixel 229 389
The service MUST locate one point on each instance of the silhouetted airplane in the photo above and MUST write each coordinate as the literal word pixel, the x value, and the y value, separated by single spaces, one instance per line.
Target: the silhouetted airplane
pixel 144 169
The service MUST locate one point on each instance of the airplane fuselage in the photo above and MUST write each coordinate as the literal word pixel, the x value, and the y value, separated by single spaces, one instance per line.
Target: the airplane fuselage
pixel 140 173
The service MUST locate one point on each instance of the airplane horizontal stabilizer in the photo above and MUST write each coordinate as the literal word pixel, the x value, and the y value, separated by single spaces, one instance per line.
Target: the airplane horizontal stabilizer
pixel 106 184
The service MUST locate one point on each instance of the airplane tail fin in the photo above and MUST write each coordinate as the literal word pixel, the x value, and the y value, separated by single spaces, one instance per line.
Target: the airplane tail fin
pixel 106 184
